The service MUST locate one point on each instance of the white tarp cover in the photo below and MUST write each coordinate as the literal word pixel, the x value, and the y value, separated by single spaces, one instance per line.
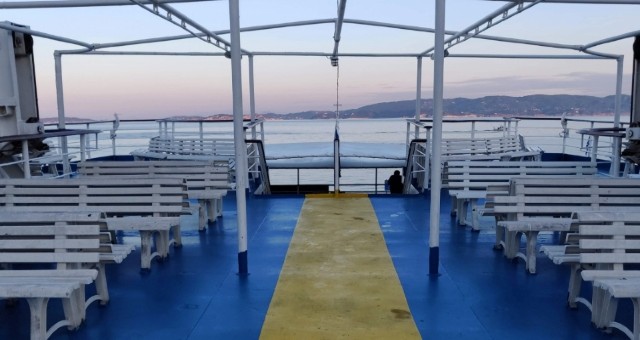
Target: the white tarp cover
pixel 320 155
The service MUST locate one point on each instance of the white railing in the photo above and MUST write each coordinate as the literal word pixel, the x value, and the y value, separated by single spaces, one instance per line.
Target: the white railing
pixel 547 133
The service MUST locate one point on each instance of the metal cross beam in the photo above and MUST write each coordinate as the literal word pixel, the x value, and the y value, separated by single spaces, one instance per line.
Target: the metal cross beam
pixel 494 18
pixel 79 3
pixel 607 2
pixel 185 23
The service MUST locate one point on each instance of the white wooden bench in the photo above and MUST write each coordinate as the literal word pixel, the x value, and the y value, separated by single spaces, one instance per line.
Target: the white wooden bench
pixel 545 204
pixel 63 241
pixel 220 150
pixel 490 148
pixel 146 205
pixel 610 242
pixel 468 181
pixel 206 182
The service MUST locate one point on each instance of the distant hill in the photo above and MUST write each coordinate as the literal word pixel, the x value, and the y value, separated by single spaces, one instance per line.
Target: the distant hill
pixel 491 106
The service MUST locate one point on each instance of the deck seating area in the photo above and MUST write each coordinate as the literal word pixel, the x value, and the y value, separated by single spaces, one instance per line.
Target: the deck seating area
pixel 220 150
pixel 147 205
pixel 51 256
pixel 546 204
pixel 208 300
pixel 485 148
pixel 603 248
pixel 207 183
pixel 468 181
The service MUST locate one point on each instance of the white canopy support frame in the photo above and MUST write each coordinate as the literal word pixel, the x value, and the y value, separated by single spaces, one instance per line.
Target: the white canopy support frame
pixel 494 18
pixel 233 49
pixel 185 21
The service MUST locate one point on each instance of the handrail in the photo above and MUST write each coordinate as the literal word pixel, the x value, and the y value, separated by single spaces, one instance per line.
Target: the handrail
pixel 409 165
pixel 262 164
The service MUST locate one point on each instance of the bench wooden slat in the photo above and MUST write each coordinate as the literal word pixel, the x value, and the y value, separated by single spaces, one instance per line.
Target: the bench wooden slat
pixel 148 199
pixel 206 182
pixel 49 239
pixel 532 198
pixel 468 181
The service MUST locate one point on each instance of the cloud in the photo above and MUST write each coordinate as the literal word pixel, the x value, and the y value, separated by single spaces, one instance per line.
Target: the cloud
pixel 581 83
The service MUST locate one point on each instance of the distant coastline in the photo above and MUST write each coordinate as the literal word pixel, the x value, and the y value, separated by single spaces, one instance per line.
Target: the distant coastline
pixel 490 106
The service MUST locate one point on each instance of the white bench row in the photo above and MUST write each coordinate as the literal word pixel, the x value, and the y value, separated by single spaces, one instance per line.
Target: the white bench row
pixel 206 182
pixel 69 244
pixel 602 245
pixel 545 204
pixel 204 149
pixel 146 205
pixel 491 148
pixel 469 180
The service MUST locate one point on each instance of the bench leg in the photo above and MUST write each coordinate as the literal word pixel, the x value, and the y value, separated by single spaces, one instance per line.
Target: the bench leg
pixel 475 218
pixel 500 237
pixel 74 308
pixel 218 207
pixel 162 243
pixel 608 307
pixel 575 282
pixel 212 210
pixel 146 241
pixel 462 212
pixel 454 206
pixel 201 214
pixel 38 308
pixel 532 239
pixel 101 284
pixel 177 236
pixel 597 299
pixel 511 244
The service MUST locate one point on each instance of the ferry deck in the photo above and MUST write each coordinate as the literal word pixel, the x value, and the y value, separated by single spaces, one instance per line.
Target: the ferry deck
pixel 198 294
pixel 351 266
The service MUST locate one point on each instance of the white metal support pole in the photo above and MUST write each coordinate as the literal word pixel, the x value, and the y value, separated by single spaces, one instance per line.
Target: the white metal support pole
pixel 66 168
pixel 252 99
pixel 26 167
pixel 238 136
pixel 617 141
pixel 418 97
pixel 436 169
pixel 336 163
pixel 83 147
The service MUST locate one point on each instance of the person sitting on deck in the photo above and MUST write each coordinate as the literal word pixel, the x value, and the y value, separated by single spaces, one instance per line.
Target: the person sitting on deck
pixel 395 183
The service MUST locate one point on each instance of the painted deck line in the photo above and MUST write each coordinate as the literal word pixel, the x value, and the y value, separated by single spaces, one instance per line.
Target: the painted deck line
pixel 338 280
pixel 339 195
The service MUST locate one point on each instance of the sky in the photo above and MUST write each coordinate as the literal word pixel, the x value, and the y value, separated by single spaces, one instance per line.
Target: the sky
pixel 162 86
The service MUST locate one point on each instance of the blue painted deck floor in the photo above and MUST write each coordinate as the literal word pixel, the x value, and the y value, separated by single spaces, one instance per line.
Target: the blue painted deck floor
pixel 196 293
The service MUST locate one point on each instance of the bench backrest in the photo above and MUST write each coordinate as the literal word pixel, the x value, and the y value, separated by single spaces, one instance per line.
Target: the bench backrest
pixel 479 146
pixel 59 238
pixel 197 174
pixel 609 238
pixel 114 196
pixel 196 146
pixel 478 175
pixel 561 196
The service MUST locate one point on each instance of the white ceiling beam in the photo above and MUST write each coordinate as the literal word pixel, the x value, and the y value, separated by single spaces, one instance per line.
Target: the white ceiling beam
pixel 604 2
pixel 80 3
pixel 500 15
pixel 22 29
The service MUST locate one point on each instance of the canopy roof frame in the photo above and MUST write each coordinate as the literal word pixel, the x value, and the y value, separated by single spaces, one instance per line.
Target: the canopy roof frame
pixel 441 42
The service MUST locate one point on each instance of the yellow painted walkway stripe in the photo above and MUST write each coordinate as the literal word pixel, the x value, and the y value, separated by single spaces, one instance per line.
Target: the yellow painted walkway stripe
pixel 338 280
